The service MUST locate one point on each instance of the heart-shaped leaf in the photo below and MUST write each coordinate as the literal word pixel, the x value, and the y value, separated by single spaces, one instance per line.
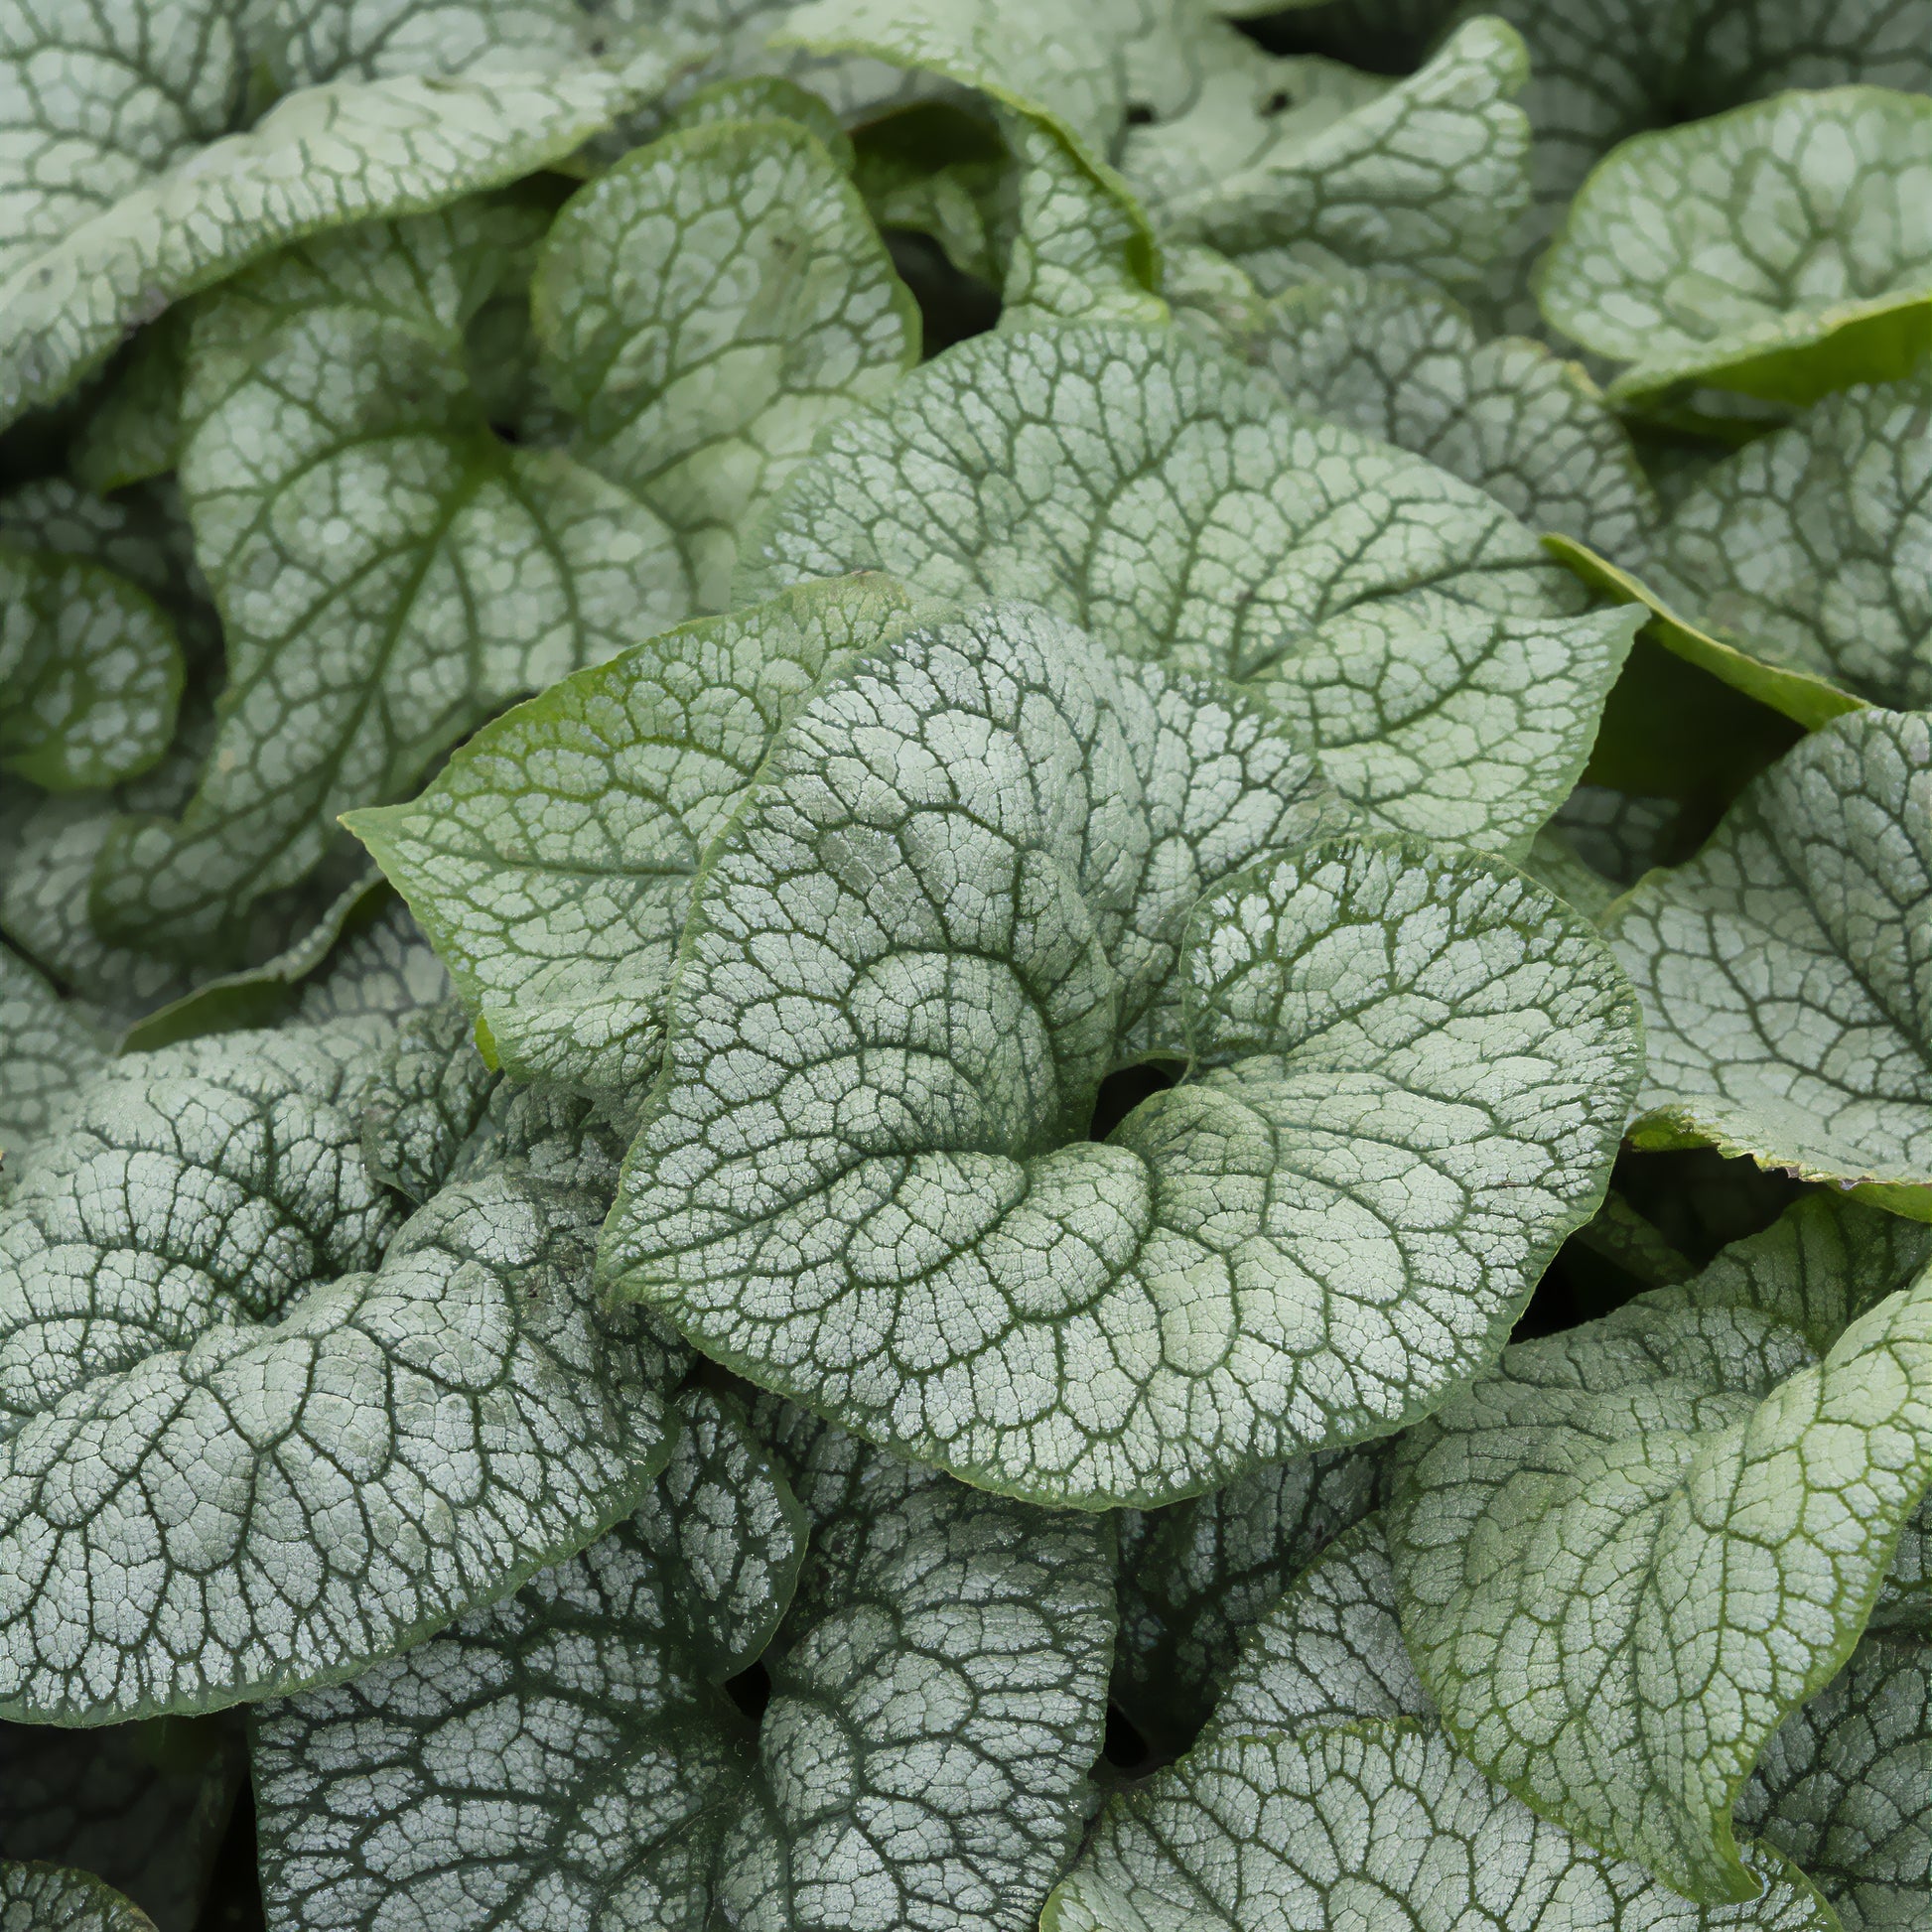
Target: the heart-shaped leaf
pixel 958 899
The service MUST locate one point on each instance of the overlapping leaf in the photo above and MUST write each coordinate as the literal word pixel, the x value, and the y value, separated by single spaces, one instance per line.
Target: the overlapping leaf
pixel 1844 1787
pixel 1197 1575
pixel 552 861
pixel 90 670
pixel 1632 1550
pixel 936 1692
pixel 1774 249
pixel 1298 168
pixel 1812 546
pixel 1406 627
pixel 704 309
pixel 128 183
pixel 1786 971
pixel 1325 1794
pixel 389 572
pixel 295 1436
pixel 44 1047
pixel 959 898
pixel 1503 414
pixel 39 1898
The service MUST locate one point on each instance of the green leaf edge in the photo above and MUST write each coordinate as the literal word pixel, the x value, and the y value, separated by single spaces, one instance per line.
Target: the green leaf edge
pixel 1802 696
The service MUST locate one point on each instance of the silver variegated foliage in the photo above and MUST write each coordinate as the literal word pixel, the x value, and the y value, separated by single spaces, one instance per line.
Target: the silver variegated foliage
pixel 1627 1555
pixel 293 1432
pixel 1325 1795
pixel 1399 620
pixel 982 871
pixel 566 1758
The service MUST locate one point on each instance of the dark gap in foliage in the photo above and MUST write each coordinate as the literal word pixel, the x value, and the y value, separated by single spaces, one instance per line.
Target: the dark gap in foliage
pixel 1374 35
pixel 751 1690
pixel 1140 114
pixel 234 1899
pixel 1699 1200
pixel 1123 1090
pixel 1123 1747
pixel 1673 730
pixel 1579 1285
pixel 953 305
pixel 1277 102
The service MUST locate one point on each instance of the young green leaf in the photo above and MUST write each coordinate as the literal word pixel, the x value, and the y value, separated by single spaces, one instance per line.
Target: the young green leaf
pixel 1631 1552
pixel 1398 362
pixel 291 1464
pixel 45 1049
pixel 936 1694
pixel 1774 249
pixel 1299 168
pixel 1813 546
pixel 365 531
pixel 1786 971
pixel 703 310
pixel 127 186
pixel 552 861
pixel 48 1898
pixel 1844 1787
pixel 957 899
pixel 1325 1794
pixel 1402 623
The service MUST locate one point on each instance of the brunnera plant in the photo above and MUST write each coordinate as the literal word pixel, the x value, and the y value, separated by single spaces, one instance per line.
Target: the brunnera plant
pixel 965 966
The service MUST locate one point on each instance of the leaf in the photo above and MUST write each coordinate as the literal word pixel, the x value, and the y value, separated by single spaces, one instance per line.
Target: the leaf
pixel 1296 169
pixel 53 844
pixel 1403 624
pixel 143 1807
pixel 1325 1794
pixel 140 533
pixel 1081 246
pixel 1784 972
pixel 310 41
pixel 429 1098
pixel 1505 415
pixel 551 862
pixel 298 1436
pixel 44 1049
pixel 47 1899
pixel 90 669
pixel 730 1534
pixel 1843 1787
pixel 1800 695
pixel 125 201
pixel 936 1698
pixel 1197 1575
pixel 1813 546
pixel 1619 834
pixel 365 533
pixel 1766 250
pixel 704 309
pixel 952 906
pixel 259 996
pixel 1630 1553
